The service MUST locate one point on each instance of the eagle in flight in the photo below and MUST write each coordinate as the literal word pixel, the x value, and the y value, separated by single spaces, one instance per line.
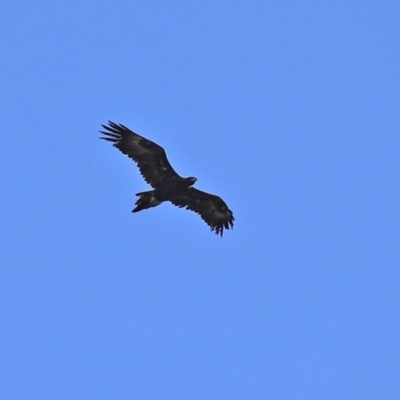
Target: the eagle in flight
pixel 166 183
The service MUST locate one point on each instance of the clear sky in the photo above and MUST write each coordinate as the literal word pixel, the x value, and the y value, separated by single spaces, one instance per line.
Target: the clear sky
pixel 289 110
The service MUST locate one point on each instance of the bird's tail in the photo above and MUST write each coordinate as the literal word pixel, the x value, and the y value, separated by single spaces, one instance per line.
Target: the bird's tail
pixel 146 200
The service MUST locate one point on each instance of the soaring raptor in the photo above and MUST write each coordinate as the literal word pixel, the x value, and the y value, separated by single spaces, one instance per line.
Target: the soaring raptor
pixel 166 183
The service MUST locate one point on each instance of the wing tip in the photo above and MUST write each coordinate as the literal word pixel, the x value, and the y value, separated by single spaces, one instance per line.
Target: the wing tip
pixel 112 132
pixel 219 229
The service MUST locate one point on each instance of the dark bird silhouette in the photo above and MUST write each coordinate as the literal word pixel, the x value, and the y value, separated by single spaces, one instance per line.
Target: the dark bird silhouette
pixel 166 183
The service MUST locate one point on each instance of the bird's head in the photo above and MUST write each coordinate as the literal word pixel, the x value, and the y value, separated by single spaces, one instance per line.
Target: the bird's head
pixel 191 180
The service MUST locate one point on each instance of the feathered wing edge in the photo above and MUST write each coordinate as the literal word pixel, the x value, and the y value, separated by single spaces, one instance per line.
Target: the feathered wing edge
pixel 211 208
pixel 114 132
pixel 150 157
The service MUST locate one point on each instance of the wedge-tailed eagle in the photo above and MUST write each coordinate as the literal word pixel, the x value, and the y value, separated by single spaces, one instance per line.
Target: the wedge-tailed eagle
pixel 167 184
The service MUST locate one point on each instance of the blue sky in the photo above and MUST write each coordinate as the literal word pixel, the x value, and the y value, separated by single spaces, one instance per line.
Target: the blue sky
pixel 288 110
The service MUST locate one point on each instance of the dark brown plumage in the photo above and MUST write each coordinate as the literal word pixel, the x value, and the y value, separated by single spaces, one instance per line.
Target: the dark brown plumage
pixel 167 184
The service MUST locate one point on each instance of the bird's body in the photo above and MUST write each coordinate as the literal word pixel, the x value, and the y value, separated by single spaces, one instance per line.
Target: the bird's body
pixel 166 183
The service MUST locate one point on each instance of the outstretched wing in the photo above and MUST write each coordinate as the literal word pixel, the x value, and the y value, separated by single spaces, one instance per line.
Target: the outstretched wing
pixel 212 209
pixel 149 156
